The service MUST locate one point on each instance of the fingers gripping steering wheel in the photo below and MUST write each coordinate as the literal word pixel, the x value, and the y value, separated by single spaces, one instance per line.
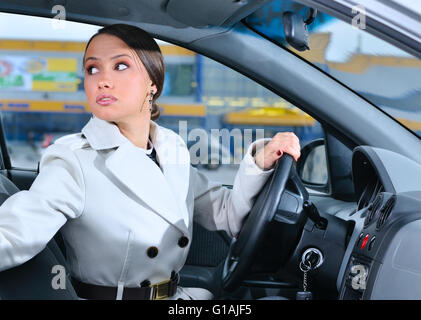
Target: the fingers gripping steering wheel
pixel 274 201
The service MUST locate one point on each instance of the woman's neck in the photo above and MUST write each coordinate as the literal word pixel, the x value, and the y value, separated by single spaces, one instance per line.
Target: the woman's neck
pixel 136 131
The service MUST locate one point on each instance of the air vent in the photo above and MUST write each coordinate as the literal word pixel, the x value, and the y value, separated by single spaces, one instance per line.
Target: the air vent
pixel 385 212
pixel 372 209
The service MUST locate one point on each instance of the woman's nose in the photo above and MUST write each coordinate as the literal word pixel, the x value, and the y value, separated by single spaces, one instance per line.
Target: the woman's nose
pixel 105 82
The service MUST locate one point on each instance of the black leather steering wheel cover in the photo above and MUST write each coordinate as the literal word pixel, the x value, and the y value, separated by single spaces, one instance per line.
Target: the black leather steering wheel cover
pixel 243 249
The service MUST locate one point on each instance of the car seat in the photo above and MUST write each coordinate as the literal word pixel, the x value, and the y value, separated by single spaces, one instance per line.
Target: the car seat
pixel 33 279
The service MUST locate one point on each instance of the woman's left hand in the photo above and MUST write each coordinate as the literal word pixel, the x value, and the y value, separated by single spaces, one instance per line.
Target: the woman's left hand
pixel 282 142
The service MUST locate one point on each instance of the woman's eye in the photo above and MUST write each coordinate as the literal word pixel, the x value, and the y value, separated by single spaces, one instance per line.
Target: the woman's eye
pixel 92 70
pixel 121 68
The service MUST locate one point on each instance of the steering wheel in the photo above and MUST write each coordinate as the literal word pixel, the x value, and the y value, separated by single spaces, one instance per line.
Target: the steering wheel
pixel 281 200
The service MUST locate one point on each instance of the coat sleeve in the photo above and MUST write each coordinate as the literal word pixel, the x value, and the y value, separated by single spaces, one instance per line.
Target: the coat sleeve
pixel 29 219
pixel 219 208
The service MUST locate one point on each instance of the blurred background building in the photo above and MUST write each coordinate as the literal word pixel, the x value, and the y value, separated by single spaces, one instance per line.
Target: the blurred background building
pixel 42 95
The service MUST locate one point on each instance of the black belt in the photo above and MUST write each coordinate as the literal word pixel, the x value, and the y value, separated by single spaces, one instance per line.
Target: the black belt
pixel 159 291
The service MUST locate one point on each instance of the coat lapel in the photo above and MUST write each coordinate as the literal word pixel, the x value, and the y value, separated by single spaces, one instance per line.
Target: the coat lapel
pixel 174 159
pixel 164 192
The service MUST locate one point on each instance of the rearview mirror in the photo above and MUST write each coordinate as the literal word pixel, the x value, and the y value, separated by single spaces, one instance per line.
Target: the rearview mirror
pixel 295 28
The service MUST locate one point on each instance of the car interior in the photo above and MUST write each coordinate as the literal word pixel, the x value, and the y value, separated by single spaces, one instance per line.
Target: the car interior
pixel 355 235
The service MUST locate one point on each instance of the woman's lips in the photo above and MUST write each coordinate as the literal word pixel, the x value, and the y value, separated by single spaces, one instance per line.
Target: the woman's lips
pixel 105 99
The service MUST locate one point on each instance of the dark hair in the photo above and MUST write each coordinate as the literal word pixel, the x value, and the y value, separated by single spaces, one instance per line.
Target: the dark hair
pixel 148 51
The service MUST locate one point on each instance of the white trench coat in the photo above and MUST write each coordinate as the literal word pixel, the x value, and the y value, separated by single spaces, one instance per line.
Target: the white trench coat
pixel 114 203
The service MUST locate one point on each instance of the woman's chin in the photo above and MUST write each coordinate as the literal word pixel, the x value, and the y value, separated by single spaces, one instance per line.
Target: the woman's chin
pixel 105 115
pixel 113 116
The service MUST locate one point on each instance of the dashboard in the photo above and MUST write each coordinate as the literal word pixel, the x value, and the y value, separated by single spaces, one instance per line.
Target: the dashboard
pixel 370 247
pixel 381 260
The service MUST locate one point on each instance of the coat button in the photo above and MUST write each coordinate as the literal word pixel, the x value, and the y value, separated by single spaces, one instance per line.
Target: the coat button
pixel 183 241
pixel 152 252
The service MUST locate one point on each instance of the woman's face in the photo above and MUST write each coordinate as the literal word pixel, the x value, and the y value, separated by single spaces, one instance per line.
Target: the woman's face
pixel 117 84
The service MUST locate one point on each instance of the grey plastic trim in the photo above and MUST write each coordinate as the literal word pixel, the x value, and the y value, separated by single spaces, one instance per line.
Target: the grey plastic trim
pixel 399 277
pixel 397 173
pixel 160 24
pixel 359 218
pixel 211 13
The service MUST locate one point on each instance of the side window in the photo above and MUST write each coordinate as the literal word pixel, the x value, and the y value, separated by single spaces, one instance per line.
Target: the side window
pixel 217 111
pixel 41 84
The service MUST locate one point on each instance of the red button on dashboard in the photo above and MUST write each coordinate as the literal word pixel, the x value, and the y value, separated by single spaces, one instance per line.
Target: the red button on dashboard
pixel 363 244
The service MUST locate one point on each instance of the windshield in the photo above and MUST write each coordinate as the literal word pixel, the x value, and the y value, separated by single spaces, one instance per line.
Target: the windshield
pixel 382 73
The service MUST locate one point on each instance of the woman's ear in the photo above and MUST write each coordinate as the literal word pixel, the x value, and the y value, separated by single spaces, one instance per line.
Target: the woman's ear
pixel 153 88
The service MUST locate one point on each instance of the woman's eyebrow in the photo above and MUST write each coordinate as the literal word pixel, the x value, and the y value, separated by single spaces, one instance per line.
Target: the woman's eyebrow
pixel 112 58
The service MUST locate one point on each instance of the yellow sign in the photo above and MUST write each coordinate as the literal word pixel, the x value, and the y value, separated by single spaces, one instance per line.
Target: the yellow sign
pixel 62 64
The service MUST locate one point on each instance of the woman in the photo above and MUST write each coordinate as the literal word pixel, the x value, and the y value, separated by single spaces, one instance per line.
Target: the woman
pixel 123 191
